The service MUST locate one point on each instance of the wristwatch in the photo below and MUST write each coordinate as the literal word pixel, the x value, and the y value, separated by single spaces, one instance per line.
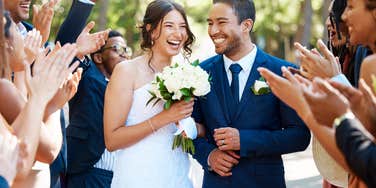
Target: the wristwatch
pixel 338 120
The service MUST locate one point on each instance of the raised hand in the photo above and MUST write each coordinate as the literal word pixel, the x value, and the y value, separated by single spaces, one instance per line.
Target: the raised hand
pixel 227 139
pixel 222 162
pixel 42 18
pixel 316 65
pixel 66 92
pixel 327 103
pixel 289 90
pixel 89 43
pixel 46 81
pixel 33 43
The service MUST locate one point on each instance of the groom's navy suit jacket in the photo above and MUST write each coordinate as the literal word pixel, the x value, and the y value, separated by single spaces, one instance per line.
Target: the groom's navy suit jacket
pixel 268 128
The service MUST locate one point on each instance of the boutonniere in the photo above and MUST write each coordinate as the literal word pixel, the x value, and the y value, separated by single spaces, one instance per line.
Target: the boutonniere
pixel 260 87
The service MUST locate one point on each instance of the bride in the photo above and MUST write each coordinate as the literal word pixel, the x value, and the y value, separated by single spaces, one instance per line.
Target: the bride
pixel 143 134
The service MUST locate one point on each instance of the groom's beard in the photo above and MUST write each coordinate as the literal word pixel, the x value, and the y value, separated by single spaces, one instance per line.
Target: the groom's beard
pixel 232 47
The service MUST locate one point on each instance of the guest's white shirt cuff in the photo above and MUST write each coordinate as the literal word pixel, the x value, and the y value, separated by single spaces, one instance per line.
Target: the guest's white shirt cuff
pixel 87 2
pixel 341 78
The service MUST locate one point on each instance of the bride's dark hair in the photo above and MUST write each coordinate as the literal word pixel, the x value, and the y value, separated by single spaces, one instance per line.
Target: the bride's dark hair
pixel 155 13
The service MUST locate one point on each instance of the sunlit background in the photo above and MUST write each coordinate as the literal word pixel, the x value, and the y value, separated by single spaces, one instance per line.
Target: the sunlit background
pixel 278 23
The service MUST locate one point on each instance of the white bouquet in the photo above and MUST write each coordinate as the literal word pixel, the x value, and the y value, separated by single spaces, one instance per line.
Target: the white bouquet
pixel 181 81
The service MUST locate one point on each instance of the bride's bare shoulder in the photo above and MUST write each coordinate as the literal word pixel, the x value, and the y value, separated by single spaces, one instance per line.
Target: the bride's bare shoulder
pixel 130 66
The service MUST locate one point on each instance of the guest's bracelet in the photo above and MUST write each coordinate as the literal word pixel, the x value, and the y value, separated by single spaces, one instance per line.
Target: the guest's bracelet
pixel 151 125
pixel 348 115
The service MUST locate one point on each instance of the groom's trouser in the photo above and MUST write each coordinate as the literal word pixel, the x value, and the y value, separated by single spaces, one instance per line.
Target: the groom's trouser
pixel 92 178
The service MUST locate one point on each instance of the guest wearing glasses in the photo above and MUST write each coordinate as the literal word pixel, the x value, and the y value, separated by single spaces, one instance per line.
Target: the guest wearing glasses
pixel 89 164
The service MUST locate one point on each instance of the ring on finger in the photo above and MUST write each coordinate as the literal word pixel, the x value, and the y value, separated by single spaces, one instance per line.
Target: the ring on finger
pixel 223 142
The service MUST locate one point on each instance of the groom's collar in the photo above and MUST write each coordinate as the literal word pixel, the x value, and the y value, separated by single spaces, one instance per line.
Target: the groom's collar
pixel 245 62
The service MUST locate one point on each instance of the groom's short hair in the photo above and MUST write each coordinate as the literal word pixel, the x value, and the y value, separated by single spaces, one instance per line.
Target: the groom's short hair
pixel 244 9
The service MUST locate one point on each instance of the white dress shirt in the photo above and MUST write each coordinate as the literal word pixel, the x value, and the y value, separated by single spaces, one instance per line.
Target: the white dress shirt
pixel 246 63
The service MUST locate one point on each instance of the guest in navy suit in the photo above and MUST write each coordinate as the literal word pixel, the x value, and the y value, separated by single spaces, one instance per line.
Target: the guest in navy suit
pixel 68 32
pixel 89 163
pixel 246 132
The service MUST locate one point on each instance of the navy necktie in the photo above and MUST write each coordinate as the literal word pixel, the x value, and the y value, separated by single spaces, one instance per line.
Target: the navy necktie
pixel 235 69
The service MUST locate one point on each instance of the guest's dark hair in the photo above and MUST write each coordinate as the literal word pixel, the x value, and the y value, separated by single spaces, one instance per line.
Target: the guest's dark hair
pixel 244 9
pixel 335 14
pixel 111 34
pixel 114 33
pixel 155 13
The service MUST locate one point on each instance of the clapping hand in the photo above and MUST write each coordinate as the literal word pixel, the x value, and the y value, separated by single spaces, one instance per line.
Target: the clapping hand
pixel 314 64
pixel 326 102
pixel 49 72
pixel 89 43
pixel 362 103
pixel 288 89
pixel 42 18
pixel 33 43
pixel 66 92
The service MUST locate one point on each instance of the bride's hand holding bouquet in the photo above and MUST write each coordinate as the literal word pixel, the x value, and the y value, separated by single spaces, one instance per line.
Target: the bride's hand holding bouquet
pixel 177 85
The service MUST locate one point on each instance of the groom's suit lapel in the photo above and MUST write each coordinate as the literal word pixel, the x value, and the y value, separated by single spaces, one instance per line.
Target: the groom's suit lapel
pixel 254 75
pixel 221 85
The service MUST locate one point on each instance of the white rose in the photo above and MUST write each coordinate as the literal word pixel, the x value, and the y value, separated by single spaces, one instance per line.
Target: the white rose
pixel 177 95
pixel 260 84
pixel 202 89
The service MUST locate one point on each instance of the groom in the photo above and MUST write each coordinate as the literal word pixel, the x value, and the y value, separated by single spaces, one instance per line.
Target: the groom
pixel 246 133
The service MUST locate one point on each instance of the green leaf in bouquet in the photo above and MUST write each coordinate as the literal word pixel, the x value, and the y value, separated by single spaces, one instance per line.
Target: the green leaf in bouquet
pixel 175 65
pixel 373 82
pixel 174 143
pixel 262 79
pixel 167 105
pixel 186 92
pixel 185 143
pixel 195 63
pixel 156 101
pixel 162 86
pixel 166 95
pixel 151 99
pixel 158 79
pixel 187 99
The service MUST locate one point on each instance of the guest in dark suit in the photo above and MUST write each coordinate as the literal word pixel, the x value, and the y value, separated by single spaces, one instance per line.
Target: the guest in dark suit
pixel 89 164
pixel 358 149
pixel 68 33
pixel 247 132
pixel 353 138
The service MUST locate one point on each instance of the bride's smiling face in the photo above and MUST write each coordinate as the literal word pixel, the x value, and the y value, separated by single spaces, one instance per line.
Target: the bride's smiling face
pixel 171 34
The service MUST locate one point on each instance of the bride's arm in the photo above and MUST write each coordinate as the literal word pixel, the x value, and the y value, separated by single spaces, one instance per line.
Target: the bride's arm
pixel 118 102
pixel 200 130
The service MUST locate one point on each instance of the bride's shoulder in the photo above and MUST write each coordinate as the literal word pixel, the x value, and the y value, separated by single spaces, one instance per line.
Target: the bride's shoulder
pixel 129 66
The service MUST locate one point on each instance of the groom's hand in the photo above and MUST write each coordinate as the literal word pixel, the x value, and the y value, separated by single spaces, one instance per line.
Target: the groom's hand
pixel 222 162
pixel 227 139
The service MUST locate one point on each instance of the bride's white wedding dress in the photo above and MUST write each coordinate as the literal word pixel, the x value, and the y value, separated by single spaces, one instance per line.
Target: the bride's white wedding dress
pixel 150 163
